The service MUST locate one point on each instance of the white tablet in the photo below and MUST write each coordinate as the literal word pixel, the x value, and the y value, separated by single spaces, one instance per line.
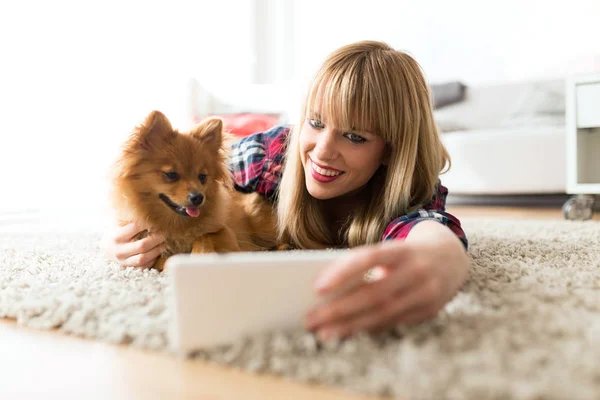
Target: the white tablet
pixel 216 299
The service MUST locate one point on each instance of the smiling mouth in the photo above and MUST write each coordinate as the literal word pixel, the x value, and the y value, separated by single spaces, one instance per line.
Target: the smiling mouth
pixel 185 211
pixel 323 176
pixel 325 171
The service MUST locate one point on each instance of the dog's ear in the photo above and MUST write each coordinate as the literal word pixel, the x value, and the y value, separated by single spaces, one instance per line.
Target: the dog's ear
pixel 156 129
pixel 209 132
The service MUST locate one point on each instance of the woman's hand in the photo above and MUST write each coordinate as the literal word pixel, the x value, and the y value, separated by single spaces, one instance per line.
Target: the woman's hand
pixel 119 246
pixel 414 280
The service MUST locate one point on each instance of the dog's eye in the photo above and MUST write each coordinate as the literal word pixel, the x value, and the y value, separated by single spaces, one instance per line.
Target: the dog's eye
pixel 171 176
pixel 202 178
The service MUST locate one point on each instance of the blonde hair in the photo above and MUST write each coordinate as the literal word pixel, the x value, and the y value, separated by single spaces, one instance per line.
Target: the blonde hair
pixel 369 85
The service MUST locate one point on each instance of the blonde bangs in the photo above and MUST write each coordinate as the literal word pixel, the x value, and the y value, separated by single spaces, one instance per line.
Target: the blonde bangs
pixel 345 96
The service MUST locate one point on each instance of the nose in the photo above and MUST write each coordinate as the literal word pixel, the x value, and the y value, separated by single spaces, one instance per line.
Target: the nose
pixel 325 146
pixel 196 198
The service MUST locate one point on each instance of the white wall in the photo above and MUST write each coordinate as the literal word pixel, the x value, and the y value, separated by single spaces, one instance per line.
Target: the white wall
pixel 76 76
pixel 473 40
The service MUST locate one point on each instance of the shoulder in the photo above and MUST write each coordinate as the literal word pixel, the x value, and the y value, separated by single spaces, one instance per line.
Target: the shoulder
pixel 438 201
pixel 256 160
pixel 435 209
pixel 271 141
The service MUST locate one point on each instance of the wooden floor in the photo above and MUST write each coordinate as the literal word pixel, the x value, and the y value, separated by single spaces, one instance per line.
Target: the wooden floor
pixel 42 364
pixel 509 212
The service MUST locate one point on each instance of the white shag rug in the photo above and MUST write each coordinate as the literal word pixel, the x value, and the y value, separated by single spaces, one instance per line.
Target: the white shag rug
pixel 526 325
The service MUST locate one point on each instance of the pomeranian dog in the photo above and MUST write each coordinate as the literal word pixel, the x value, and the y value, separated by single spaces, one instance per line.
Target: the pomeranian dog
pixel 179 184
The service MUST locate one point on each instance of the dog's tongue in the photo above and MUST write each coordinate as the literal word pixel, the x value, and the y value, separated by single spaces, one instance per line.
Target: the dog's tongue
pixel 192 211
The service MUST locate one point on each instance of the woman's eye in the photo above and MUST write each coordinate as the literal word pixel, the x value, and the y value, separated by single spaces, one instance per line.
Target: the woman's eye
pixel 355 138
pixel 171 176
pixel 315 123
pixel 202 178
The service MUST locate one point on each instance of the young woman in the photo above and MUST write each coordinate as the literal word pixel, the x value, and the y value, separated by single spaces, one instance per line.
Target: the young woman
pixel 360 170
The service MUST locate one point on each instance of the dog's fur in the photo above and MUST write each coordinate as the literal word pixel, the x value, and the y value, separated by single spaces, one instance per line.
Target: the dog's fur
pixel 159 168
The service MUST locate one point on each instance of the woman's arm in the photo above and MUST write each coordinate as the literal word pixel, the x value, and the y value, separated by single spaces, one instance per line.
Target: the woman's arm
pixel 418 277
pixel 442 241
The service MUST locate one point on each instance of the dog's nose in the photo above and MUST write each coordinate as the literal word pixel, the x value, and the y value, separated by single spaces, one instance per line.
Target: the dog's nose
pixel 196 198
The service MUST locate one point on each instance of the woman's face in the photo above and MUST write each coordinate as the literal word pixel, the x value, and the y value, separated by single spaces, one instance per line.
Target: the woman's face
pixel 336 162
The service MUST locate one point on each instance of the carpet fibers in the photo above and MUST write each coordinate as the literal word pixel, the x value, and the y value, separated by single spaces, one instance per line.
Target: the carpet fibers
pixel 526 325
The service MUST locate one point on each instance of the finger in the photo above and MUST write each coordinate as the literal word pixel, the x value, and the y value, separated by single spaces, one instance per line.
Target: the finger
pixel 357 262
pixel 146 266
pixel 127 250
pixel 394 310
pixel 411 317
pixel 142 260
pixel 364 298
pixel 378 273
pixel 126 233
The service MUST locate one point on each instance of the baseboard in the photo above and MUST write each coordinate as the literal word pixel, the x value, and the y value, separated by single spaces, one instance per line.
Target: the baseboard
pixel 556 200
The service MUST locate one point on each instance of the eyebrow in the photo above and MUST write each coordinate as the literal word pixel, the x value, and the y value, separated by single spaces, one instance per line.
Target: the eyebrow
pixel 352 130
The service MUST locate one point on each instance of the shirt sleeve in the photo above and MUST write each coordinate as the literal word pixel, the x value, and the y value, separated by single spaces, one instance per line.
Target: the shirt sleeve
pixel 256 161
pixel 435 210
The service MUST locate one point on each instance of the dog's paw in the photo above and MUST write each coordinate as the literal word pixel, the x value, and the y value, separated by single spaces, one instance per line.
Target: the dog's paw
pixel 159 264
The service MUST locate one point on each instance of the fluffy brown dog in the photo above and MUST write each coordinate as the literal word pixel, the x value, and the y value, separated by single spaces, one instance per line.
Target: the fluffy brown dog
pixel 180 186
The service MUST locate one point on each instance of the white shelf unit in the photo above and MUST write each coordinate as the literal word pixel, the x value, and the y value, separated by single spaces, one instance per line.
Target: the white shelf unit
pixel 583 134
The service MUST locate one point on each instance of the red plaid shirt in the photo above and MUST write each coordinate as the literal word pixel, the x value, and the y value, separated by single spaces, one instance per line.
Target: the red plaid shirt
pixel 257 160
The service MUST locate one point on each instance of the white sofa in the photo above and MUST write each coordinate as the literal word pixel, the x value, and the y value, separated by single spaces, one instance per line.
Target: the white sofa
pixel 506 139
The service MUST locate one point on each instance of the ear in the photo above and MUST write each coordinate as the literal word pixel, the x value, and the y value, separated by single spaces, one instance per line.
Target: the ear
pixel 155 129
pixel 209 132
